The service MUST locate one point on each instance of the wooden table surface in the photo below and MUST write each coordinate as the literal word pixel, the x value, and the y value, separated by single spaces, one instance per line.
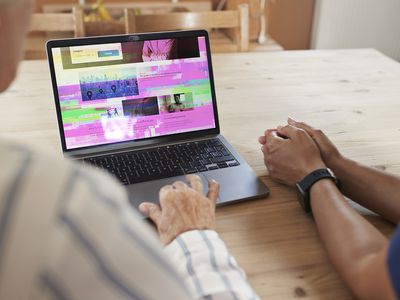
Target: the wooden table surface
pixel 353 95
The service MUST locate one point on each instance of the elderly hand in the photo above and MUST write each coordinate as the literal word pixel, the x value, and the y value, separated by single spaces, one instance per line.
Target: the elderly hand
pixel 290 154
pixel 183 207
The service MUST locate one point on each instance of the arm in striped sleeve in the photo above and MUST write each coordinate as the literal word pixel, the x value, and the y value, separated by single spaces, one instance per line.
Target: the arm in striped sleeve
pixel 208 269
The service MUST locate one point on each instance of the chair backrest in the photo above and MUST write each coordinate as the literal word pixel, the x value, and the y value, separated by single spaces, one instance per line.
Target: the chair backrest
pixel 60 22
pixel 232 19
pixel 143 6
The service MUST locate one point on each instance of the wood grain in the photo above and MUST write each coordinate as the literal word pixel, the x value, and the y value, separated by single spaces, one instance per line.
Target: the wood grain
pixel 57 25
pixel 353 95
pixel 56 22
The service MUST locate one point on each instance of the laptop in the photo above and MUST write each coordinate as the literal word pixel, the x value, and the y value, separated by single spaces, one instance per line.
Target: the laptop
pixel 143 108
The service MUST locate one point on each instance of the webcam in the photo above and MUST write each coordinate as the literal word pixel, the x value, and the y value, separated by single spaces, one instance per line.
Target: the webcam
pixel 134 38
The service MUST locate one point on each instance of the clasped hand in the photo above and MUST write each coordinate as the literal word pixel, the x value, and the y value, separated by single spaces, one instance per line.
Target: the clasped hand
pixel 293 151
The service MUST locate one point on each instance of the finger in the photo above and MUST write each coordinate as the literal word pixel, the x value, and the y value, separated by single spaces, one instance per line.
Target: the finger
pixel 213 191
pixel 291 121
pixel 165 189
pixel 264 149
pixel 272 137
pixel 301 125
pixel 288 131
pixel 195 182
pixel 179 185
pixel 267 131
pixel 151 210
pixel 280 134
pixel 262 140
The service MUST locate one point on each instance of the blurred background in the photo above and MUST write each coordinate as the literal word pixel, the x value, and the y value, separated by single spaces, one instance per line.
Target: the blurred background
pixel 269 25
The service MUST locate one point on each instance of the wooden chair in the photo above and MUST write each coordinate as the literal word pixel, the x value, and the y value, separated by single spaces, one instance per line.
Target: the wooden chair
pixel 144 7
pixel 54 23
pixel 234 23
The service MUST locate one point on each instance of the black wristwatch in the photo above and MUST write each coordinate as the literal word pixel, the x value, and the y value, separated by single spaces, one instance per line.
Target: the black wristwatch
pixel 304 186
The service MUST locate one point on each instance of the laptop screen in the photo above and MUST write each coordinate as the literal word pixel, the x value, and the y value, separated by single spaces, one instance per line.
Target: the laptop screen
pixel 133 90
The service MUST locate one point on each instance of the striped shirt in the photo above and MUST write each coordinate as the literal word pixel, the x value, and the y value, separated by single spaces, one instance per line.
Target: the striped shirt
pixel 69 233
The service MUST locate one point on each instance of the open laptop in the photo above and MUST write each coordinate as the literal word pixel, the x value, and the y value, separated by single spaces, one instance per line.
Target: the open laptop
pixel 143 107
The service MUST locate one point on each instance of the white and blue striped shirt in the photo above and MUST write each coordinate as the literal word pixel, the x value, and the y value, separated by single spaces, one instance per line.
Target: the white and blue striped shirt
pixel 68 233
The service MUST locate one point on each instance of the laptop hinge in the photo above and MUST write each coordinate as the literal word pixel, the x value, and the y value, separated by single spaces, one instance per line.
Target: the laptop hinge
pixel 76 155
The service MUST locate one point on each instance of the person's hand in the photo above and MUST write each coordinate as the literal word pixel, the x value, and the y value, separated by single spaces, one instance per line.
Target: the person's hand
pixel 330 154
pixel 183 207
pixel 290 154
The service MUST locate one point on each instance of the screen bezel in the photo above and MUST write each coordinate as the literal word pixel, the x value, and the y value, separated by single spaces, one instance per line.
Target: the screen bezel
pixel 120 39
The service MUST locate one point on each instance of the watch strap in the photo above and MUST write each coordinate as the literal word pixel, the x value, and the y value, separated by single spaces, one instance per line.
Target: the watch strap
pixel 315 176
pixel 305 185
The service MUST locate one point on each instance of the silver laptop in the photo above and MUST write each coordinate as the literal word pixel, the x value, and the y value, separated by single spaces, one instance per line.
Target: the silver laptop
pixel 143 107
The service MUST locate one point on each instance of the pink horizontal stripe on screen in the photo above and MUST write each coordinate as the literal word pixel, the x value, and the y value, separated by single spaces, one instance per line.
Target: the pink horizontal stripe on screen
pixel 99 132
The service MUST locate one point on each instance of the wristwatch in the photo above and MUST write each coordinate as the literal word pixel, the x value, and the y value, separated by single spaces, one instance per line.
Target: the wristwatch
pixel 304 186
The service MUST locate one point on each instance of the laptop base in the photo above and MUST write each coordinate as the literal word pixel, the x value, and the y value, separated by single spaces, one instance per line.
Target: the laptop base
pixel 238 183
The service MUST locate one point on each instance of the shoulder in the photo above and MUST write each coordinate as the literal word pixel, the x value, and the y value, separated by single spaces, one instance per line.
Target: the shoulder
pixel 41 169
pixel 38 186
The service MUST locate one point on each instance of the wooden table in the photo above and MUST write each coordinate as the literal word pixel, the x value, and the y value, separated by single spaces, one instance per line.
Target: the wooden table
pixel 354 95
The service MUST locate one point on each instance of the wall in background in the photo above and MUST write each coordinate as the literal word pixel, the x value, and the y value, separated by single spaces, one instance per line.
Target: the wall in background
pixel 290 23
pixel 358 24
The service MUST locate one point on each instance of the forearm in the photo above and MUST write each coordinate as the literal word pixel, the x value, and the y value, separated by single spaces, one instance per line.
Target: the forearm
pixel 207 268
pixel 374 189
pixel 348 237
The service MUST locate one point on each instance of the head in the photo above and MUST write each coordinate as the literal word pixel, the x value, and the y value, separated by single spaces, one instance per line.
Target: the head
pixel 15 17
pixel 177 98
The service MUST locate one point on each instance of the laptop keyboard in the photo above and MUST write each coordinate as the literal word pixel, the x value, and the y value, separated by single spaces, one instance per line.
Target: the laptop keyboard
pixel 167 161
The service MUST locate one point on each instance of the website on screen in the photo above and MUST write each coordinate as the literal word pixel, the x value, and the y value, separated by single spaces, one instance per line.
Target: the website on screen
pixel 133 90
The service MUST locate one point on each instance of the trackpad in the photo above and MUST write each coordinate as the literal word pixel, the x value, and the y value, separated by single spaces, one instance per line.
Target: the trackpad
pixel 242 184
pixel 149 191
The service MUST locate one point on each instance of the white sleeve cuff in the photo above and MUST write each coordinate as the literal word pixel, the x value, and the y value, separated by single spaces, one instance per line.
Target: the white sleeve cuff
pixel 206 266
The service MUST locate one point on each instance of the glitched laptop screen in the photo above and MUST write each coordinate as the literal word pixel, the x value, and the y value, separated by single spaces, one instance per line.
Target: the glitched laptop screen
pixel 127 91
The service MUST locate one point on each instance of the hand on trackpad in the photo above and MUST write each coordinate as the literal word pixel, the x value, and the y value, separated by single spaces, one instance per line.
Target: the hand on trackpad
pixel 184 206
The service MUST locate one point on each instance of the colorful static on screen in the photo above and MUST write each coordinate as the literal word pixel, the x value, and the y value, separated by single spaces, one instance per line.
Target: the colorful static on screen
pixel 133 90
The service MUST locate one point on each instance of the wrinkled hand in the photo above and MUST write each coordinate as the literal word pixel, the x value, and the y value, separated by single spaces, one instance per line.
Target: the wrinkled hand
pixel 183 207
pixel 290 154
pixel 330 154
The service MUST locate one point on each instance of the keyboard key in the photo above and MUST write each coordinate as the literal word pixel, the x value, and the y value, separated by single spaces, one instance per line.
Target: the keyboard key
pixel 212 167
pixel 202 169
pixel 216 154
pixel 205 161
pixel 222 165
pixel 190 171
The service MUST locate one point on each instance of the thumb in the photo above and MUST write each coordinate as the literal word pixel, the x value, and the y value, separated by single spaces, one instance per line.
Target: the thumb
pixel 151 210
